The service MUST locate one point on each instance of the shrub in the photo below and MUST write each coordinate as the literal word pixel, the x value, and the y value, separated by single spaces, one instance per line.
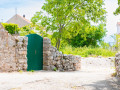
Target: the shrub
pixel 11 28
pixel 88 51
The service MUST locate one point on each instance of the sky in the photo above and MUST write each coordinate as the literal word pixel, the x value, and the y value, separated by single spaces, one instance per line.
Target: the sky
pixel 29 7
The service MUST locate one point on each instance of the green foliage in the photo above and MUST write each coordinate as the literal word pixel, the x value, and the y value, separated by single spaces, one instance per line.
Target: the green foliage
pixel 88 35
pixel 114 74
pixel 104 45
pixel 20 71
pixel 40 28
pixel 67 17
pixel 87 51
pixel 32 71
pixel 26 30
pixel 11 28
pixel 117 12
pixel 55 69
pixel 24 33
pixel 117 42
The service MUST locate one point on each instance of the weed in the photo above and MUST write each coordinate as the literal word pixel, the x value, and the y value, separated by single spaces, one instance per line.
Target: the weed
pixel 55 69
pixel 31 71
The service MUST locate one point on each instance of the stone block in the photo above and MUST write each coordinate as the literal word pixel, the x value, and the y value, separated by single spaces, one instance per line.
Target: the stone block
pixel 46 68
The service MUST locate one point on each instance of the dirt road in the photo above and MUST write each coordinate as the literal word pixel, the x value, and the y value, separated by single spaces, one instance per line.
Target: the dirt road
pixel 95 75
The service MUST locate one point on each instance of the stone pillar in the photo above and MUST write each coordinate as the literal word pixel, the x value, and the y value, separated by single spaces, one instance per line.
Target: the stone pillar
pixel 46 53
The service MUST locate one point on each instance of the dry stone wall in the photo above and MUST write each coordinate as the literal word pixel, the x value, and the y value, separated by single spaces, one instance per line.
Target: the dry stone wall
pixel 21 52
pixel 55 60
pixel 7 51
pixel 13 51
pixel 117 64
pixel 13 55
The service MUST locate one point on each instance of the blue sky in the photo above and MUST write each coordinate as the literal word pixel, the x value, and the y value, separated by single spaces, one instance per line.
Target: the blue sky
pixel 29 7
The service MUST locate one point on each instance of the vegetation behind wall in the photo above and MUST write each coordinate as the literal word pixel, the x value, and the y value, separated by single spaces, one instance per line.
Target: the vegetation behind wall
pixel 11 28
pixel 88 51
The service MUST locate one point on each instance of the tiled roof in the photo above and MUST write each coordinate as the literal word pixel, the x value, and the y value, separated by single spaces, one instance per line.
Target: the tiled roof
pixel 17 19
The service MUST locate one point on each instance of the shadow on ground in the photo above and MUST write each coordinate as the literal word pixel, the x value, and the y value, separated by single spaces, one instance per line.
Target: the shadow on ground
pixel 108 84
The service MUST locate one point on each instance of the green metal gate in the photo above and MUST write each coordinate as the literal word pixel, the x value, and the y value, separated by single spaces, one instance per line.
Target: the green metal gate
pixel 35 52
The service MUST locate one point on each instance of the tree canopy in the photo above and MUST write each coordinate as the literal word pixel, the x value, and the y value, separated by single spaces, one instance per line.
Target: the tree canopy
pixel 88 36
pixel 65 18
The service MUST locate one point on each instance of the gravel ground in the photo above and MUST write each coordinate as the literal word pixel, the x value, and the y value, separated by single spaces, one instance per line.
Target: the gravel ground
pixel 95 75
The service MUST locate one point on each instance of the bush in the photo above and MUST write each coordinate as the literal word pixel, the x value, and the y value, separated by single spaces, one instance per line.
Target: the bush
pixel 11 28
pixel 87 51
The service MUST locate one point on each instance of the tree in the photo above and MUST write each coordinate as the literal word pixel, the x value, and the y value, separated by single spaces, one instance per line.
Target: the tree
pixel 117 12
pixel 64 16
pixel 88 36
pixel 39 28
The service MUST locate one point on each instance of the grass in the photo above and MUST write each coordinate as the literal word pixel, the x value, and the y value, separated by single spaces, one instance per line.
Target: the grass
pixel 88 51
pixel 31 71
pixel 20 71
pixel 114 74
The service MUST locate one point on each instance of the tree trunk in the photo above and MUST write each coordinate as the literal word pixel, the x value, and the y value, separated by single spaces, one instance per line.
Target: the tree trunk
pixel 58 39
pixel 58 43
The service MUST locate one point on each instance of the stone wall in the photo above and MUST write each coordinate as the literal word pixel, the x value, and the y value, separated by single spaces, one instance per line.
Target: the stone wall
pixel 21 52
pixel 13 51
pixel 53 59
pixel 13 55
pixel 117 64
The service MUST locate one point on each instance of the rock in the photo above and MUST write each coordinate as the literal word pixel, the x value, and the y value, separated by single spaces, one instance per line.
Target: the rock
pixel 53 67
pixel 99 56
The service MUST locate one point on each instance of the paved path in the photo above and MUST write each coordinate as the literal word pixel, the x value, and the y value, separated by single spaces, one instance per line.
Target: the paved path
pixel 91 77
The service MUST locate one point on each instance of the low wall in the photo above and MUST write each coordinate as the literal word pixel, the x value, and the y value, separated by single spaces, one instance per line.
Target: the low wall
pixel 53 59
pixel 117 64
